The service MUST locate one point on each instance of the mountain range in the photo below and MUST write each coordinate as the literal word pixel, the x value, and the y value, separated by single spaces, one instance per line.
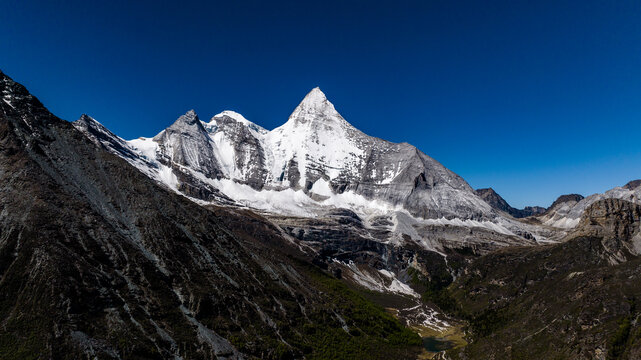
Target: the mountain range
pixel 315 153
pixel 223 239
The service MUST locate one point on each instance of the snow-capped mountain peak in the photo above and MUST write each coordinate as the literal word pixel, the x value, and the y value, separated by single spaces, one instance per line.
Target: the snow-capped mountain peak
pixel 234 115
pixel 316 156
pixel 219 121
pixel 315 142
pixel 315 99
pixel 315 109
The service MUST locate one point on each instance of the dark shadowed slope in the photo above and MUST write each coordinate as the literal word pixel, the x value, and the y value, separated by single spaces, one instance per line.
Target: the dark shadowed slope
pixel 98 261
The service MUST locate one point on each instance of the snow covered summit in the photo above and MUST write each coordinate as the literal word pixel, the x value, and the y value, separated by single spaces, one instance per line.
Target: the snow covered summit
pixel 316 159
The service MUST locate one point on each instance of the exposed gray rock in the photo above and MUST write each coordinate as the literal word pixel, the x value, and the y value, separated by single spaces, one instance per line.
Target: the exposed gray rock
pixel 565 199
pixel 248 164
pixel 186 143
pixel 567 210
pixel 618 223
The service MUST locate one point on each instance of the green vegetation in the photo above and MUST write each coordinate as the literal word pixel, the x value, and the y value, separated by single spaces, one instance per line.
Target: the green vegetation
pixel 29 344
pixel 620 339
pixel 436 291
pixel 372 331
pixel 341 324
pixel 486 322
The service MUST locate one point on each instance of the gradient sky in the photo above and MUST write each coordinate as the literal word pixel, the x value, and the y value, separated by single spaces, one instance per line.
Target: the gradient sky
pixel 533 98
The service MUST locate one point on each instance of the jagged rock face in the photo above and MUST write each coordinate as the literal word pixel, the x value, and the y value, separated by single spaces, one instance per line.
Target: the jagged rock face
pixel 632 185
pixel 317 143
pixel 170 174
pixel 497 202
pixel 239 148
pixel 98 261
pixel 615 217
pixel 101 136
pixel 617 222
pixel 186 143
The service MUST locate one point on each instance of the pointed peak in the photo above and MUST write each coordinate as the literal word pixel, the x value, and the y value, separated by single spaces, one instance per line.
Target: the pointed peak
pixel 188 123
pixel 189 118
pixel 315 98
pixel 314 107
pixel 86 118
pixel 85 121
pixel 315 110
pixel 191 114
pixel 92 128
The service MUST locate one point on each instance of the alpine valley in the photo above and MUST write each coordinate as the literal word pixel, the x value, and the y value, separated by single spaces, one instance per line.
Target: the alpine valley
pixel 221 239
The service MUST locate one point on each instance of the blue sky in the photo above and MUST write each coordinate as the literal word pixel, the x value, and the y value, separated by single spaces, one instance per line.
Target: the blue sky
pixel 533 98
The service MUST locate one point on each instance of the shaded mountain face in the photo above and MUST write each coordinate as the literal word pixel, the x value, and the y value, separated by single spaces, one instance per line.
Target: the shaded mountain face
pixel 576 300
pixel 99 261
pixel 186 143
pixel 497 202
pixel 634 184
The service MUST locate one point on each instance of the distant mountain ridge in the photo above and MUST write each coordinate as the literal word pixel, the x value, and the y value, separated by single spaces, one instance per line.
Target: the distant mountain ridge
pixel 496 201
pixel 566 211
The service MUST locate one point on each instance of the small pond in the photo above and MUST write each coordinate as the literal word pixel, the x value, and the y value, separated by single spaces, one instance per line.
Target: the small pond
pixel 434 344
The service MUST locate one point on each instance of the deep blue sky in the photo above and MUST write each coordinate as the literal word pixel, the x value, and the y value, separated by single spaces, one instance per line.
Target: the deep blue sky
pixel 533 98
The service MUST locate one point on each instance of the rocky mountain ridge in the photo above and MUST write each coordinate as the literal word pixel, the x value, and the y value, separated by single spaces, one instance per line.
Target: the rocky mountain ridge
pixel 566 211
pixel 497 202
